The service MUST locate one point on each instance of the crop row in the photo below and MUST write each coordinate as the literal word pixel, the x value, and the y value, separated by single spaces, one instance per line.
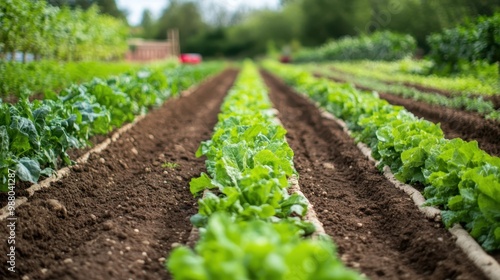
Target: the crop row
pixel 460 102
pixel 416 72
pixel 249 223
pixel 458 176
pixel 35 136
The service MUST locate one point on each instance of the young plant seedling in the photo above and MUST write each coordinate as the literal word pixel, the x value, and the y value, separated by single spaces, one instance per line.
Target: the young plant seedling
pixel 170 165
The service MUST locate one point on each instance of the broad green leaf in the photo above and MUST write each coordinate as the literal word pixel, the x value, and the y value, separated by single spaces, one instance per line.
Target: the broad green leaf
pixel 28 170
pixel 201 183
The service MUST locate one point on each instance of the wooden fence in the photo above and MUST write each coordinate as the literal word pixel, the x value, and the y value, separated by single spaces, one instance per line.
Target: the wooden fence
pixel 140 50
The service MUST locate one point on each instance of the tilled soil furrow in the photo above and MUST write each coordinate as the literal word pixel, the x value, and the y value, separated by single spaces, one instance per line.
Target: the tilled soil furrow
pixel 117 216
pixel 377 228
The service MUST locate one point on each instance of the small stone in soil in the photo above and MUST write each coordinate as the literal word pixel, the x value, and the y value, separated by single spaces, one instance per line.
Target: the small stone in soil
pixel 102 160
pixel 328 165
pixel 108 225
pixel 355 264
pixel 57 207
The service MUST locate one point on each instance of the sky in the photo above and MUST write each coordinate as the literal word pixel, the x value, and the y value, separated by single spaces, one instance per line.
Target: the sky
pixel 136 7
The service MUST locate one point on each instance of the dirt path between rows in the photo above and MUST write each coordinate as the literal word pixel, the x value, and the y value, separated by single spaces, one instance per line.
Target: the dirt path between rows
pixel 378 229
pixel 125 208
pixel 454 123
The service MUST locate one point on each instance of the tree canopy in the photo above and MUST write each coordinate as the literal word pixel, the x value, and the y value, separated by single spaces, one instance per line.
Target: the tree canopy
pixel 238 31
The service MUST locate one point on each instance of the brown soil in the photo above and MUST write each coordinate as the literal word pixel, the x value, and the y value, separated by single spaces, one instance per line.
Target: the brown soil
pixel 118 215
pixel 454 123
pixel 377 228
pixel 495 99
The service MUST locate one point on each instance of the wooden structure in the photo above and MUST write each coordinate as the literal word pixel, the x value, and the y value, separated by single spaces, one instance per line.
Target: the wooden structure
pixel 141 50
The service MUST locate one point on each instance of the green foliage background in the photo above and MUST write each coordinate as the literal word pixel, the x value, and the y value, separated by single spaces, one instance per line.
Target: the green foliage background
pixel 243 32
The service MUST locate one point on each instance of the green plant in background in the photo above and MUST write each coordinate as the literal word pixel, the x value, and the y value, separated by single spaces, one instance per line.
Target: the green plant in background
pixel 378 46
pixel 62 34
pixel 475 41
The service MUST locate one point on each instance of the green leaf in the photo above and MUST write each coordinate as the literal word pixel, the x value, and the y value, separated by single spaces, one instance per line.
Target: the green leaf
pixel 28 170
pixel 25 127
pixel 4 139
pixel 201 183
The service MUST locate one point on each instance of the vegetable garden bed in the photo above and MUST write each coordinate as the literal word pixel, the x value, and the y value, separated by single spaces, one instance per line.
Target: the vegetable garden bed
pixel 378 229
pixel 127 205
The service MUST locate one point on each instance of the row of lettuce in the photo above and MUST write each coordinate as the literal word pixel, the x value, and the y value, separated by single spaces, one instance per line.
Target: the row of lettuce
pixel 474 41
pixel 477 104
pixel 249 224
pixel 458 176
pixel 35 136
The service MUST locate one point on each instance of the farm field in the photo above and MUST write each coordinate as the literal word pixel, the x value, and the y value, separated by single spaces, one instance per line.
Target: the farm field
pixel 135 206
pixel 124 210
pixel 285 140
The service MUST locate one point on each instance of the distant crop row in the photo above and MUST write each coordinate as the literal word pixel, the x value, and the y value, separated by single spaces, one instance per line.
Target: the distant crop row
pixel 458 176
pixel 50 32
pixel 365 78
pixel 35 136
pixel 250 225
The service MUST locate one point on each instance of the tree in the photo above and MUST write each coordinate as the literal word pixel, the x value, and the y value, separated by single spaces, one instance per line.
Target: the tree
pixel 147 24
pixel 328 19
pixel 108 7
pixel 186 17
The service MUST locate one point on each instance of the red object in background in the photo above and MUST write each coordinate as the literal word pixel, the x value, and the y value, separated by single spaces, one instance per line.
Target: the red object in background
pixel 190 58
pixel 285 59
